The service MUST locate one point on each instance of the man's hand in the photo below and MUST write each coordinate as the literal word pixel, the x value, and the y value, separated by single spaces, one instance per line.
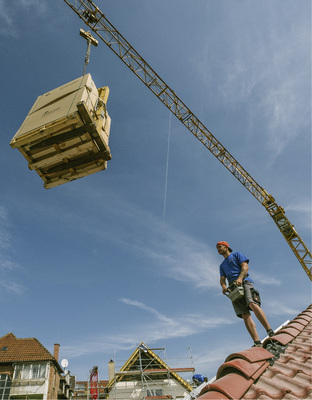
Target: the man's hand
pixel 223 285
pixel 225 289
pixel 239 281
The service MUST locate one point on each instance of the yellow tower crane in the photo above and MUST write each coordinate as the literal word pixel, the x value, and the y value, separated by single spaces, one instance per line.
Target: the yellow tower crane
pixel 96 20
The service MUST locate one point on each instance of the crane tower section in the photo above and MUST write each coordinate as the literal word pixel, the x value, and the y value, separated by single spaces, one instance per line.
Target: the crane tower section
pixel 100 25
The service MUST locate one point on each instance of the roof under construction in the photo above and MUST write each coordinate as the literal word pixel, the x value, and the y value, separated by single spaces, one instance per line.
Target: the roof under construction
pixel 145 361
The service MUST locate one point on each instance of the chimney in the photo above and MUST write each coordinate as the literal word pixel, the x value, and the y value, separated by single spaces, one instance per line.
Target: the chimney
pixel 111 370
pixel 56 351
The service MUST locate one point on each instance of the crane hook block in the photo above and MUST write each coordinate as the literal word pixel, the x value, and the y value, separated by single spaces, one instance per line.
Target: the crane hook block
pixel 65 134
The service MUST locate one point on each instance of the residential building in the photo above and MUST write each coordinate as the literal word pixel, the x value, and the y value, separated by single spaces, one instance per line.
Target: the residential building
pixel 143 376
pixel 82 390
pixel 146 376
pixel 29 371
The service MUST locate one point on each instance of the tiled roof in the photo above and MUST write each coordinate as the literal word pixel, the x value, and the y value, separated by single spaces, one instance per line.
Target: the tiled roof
pixel 13 349
pixel 280 370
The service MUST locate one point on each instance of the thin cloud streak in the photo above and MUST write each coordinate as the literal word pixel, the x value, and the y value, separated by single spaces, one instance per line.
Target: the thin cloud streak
pixel 12 287
pixel 142 306
pixel 177 255
pixel 303 213
pixel 270 81
pixel 8 25
pixel 277 307
pixel 263 279
pixel 5 236
pixel 162 328
pixel 7 266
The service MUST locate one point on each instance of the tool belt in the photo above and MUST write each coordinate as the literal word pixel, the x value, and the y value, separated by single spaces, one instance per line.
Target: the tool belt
pixel 236 292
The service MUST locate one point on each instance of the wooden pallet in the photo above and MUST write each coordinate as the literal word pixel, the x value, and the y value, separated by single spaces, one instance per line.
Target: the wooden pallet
pixel 69 148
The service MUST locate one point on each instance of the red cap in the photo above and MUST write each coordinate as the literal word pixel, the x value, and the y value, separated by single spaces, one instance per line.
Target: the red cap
pixel 223 244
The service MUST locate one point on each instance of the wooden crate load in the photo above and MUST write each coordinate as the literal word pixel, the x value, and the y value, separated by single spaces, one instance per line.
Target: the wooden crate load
pixel 65 134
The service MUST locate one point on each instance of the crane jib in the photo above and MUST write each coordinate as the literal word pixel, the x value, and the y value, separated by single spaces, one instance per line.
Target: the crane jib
pixel 96 20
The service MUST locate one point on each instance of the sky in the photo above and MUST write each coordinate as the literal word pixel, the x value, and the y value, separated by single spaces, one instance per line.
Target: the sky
pixel 128 254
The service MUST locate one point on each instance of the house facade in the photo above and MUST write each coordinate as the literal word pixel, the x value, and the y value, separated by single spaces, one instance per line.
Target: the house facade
pixel 29 371
pixel 146 376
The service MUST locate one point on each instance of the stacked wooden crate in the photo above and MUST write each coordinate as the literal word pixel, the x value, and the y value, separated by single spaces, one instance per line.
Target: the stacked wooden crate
pixel 65 135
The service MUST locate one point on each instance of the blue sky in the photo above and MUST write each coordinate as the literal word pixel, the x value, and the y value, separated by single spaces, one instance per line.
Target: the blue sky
pixel 128 254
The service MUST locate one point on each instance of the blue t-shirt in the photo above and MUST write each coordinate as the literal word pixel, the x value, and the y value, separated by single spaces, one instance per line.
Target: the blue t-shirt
pixel 231 266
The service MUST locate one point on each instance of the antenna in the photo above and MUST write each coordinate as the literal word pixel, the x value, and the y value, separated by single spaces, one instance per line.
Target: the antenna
pixel 191 356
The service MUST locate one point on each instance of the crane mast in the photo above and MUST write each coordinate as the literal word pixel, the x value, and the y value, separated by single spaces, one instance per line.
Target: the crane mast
pixel 96 20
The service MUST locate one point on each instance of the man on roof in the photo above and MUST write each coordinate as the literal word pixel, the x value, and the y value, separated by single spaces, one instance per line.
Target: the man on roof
pixel 234 269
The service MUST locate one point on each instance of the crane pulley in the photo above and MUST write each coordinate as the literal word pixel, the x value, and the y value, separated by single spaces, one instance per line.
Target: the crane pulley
pixel 96 20
pixel 90 40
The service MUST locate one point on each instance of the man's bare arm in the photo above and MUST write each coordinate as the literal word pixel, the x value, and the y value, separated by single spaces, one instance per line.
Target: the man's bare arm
pixel 223 284
pixel 243 273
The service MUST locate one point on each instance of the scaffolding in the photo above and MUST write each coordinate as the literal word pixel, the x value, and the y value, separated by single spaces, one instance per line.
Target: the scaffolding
pixel 147 376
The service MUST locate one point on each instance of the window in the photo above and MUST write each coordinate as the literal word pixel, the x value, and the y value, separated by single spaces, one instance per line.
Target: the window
pixel 38 371
pixel 30 371
pixel 26 372
pixel 5 385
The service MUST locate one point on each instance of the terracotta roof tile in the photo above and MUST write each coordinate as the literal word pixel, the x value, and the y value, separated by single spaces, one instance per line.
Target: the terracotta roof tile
pixel 254 354
pixel 284 372
pixel 232 385
pixel 290 330
pixel 302 320
pixel 282 388
pixel 13 349
pixel 282 338
pixel 296 325
pixel 305 315
pixel 214 396
pixel 249 370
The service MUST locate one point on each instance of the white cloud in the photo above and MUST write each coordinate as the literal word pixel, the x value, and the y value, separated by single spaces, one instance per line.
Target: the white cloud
pixel 302 211
pixel 5 237
pixel 8 9
pixel 263 279
pixel 12 287
pixel 7 266
pixel 301 207
pixel 176 254
pixel 182 258
pixel 279 307
pixel 142 306
pixel 267 72
pixel 164 327
pixel 161 328
pixel 282 89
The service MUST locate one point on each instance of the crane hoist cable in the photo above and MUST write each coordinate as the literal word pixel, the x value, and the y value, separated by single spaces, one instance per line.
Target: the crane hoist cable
pixel 100 25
